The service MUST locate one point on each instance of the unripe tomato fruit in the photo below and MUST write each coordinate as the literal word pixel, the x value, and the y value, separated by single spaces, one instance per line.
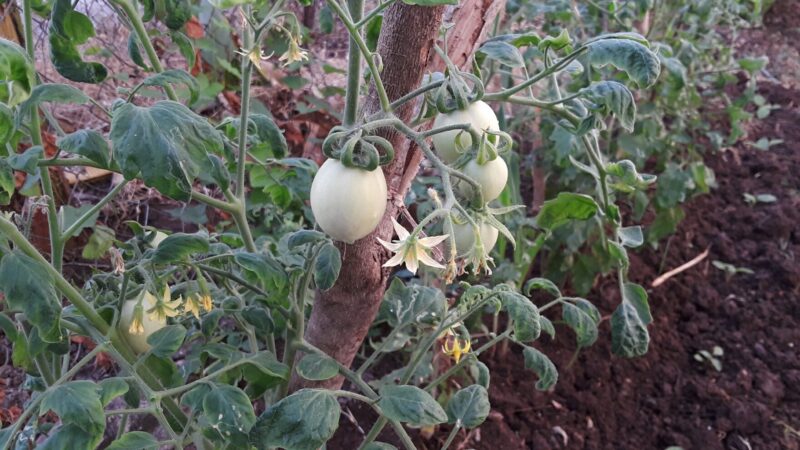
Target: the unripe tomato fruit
pixel 492 178
pixel 138 342
pixel 348 203
pixel 465 238
pixel 479 114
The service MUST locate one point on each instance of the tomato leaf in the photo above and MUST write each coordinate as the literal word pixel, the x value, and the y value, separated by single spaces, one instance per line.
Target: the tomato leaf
pixel 469 407
pixel 403 305
pixel 541 364
pixel 629 336
pixel 172 77
pixel 167 340
pixel 631 56
pixel 167 144
pixel 135 440
pixel 179 246
pixel 229 413
pixel 608 97
pixel 567 206
pixel 77 403
pixel 525 315
pixel 28 287
pixel 88 143
pixel 317 367
pixel 304 420
pixel 17 73
pixel 68 29
pixel 582 323
pixel 410 404
pixel 327 266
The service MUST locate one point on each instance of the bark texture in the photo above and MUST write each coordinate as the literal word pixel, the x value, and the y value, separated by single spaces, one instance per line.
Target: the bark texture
pixel 342 316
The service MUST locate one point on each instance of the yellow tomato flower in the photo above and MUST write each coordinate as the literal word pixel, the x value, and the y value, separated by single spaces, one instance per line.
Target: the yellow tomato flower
pixel 456 347
pixel 411 250
pixel 137 327
pixel 205 300
pixel 294 53
pixel 192 305
pixel 163 308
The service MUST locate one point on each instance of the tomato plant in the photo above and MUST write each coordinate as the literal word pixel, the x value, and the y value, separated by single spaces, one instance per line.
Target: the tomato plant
pixel 208 330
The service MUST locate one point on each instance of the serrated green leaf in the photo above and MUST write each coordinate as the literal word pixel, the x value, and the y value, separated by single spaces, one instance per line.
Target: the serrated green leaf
pixel 135 440
pixel 69 436
pixel 186 47
pixel 541 364
pixel 638 61
pixel 28 287
pixel 503 52
pixel 173 77
pixel 88 143
pixel 77 403
pixel 135 52
pixel 303 237
pixel 618 254
pixel 178 13
pixel 166 341
pixel 179 246
pixel 304 420
pixel 327 266
pixel 612 97
pixel 229 413
pixel 637 296
pixel 166 144
pixel 69 28
pixel 629 336
pixel 317 367
pixel 17 74
pixel 411 405
pixel 28 161
pixel 547 326
pixel 543 284
pixel 469 407
pixel 524 314
pixel 111 388
pixel 565 207
pixel 582 324
pixel 404 305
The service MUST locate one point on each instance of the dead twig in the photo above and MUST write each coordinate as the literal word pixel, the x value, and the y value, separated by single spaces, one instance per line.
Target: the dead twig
pixel 660 280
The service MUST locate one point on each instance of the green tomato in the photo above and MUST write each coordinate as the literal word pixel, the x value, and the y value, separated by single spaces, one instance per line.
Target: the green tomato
pixel 492 178
pixel 348 204
pixel 138 342
pixel 478 114
pixel 465 237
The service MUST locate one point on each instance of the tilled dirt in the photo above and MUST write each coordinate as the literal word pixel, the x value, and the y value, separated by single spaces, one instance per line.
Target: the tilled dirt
pixel 667 397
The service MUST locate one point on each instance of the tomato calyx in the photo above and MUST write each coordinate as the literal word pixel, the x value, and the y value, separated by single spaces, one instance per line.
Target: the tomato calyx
pixel 356 149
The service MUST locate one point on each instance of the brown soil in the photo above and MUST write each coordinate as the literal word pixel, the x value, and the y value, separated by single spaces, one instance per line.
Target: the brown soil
pixel 667 397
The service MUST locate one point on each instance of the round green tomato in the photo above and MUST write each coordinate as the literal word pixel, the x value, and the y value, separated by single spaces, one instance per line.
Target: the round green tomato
pixel 492 178
pixel 478 114
pixel 348 203
pixel 465 237
pixel 138 342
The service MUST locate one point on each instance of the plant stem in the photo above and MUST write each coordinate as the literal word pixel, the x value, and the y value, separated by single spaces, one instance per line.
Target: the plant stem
pixel 36 138
pixel 356 8
pixel 144 39
pixel 451 437
pixel 92 211
pixel 359 40
pixel 372 14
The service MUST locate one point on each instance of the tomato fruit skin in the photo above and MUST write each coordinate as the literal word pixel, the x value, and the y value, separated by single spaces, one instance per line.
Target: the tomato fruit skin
pixel 479 114
pixel 465 238
pixel 138 342
pixel 348 204
pixel 492 178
